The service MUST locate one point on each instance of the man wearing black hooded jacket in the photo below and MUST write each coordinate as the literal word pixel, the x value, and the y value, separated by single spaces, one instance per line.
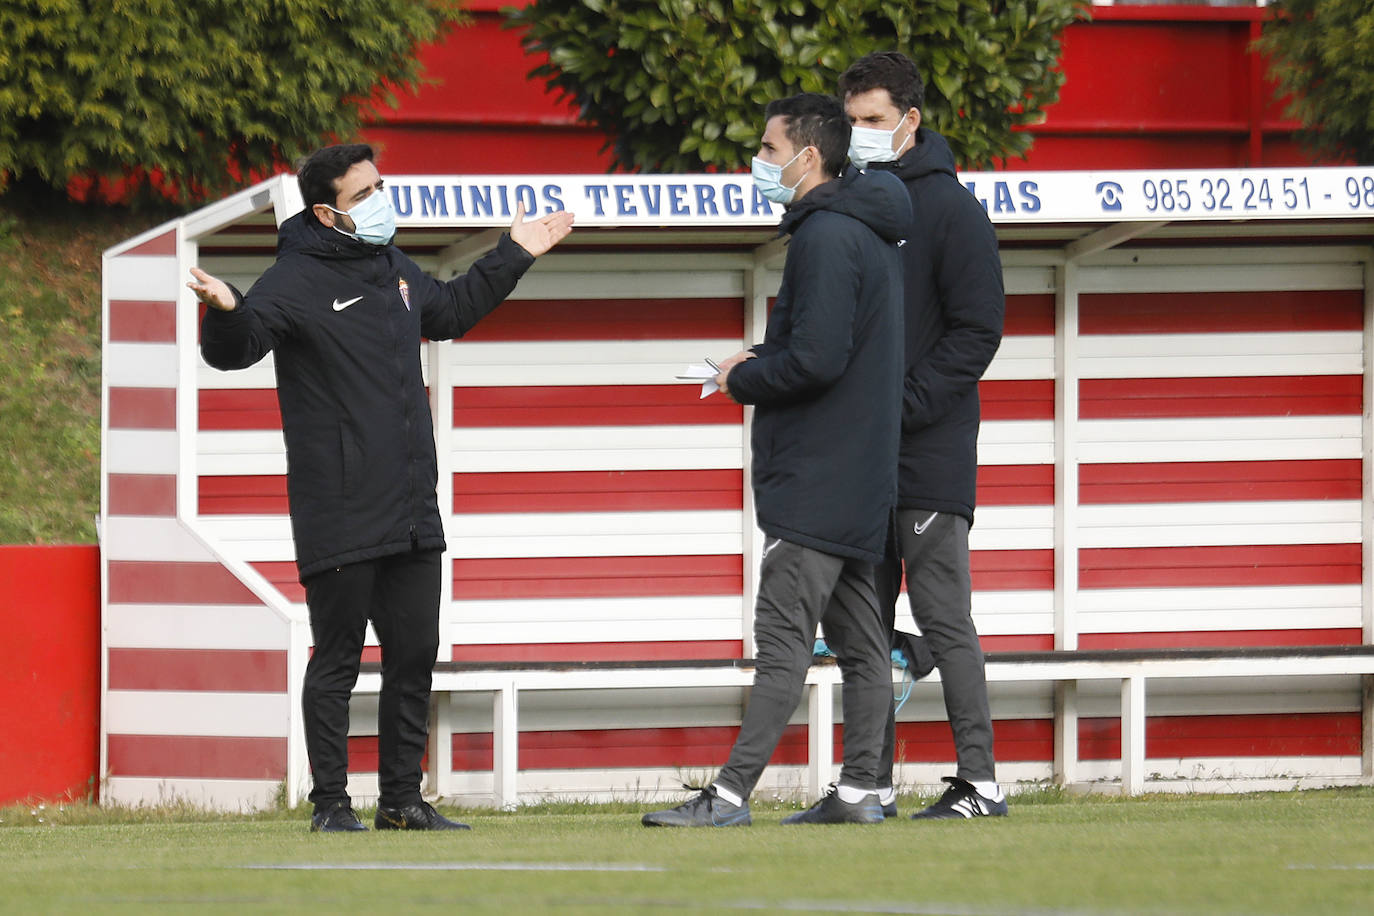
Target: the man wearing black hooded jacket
pixel 343 311
pixel 954 312
pixel 825 383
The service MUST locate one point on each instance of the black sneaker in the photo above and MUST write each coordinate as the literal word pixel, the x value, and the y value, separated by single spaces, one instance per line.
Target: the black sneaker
pixel 706 809
pixel 961 799
pixel 337 818
pixel 833 810
pixel 419 816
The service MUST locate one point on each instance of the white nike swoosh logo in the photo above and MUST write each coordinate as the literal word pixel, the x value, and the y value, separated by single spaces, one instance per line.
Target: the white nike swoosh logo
pixel 921 528
pixel 340 306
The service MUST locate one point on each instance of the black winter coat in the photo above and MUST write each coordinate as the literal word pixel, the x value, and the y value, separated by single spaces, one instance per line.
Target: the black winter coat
pixel 345 319
pixel 827 378
pixel 954 309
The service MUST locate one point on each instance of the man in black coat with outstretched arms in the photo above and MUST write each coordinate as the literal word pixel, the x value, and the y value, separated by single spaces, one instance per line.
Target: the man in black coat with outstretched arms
pixel 344 311
pixel 826 389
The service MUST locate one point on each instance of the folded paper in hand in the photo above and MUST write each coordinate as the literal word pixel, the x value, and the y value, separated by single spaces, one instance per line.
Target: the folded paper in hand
pixel 704 374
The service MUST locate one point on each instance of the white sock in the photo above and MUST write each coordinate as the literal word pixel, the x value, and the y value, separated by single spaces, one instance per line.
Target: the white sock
pixel 852 794
pixel 988 790
pixel 887 795
pixel 732 797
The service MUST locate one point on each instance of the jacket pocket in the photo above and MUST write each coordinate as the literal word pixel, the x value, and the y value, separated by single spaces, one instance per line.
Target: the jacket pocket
pixel 350 459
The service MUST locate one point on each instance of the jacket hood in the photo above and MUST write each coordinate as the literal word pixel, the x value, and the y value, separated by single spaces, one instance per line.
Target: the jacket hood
pixel 302 234
pixel 930 153
pixel 874 199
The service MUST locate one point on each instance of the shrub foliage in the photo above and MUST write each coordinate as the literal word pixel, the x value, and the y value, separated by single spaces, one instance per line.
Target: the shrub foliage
pixel 1323 55
pixel 680 84
pixel 195 94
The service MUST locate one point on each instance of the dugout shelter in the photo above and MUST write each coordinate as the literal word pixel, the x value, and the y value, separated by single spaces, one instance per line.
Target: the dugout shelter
pixel 1175 454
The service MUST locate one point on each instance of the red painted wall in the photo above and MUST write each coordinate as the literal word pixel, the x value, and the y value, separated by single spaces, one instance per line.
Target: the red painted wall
pixel 1160 86
pixel 485 116
pixel 50 682
pixel 1147 87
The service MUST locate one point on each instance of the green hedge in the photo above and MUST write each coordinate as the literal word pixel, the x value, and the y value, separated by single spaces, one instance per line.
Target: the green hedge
pixel 1323 60
pixel 203 93
pixel 680 84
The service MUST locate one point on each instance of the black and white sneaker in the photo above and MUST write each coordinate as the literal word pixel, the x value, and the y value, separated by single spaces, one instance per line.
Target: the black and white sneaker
pixel 705 809
pixel 833 810
pixel 961 799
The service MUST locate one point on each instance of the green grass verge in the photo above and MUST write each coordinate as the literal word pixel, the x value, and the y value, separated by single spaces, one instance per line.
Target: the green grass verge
pixel 50 365
pixel 1299 852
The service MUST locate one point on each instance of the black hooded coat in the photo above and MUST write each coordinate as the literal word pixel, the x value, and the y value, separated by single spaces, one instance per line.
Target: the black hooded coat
pixel 344 320
pixel 954 311
pixel 826 381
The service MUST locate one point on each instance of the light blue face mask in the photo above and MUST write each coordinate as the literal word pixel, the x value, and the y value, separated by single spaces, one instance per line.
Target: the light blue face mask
pixel 868 144
pixel 768 179
pixel 374 220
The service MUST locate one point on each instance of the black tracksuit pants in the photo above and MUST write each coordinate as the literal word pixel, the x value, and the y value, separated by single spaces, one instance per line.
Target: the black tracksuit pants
pixel 400 595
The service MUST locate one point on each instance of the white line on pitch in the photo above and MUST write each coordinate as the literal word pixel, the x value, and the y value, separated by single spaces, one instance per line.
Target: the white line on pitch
pixel 1363 866
pixel 452 866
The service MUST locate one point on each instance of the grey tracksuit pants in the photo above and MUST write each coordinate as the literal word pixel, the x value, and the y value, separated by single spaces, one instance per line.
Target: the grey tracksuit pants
pixel 798 588
pixel 933 548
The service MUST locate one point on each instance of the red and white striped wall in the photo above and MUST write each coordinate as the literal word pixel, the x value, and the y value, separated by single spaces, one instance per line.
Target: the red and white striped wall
pixel 200 665
pixel 1174 452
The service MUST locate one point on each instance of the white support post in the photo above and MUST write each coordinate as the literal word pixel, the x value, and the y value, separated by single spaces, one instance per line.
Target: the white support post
pixel 1367 453
pixel 1065 732
pixel 298 778
pixel 1133 734
pixel 441 744
pixel 505 742
pixel 440 383
pixel 757 288
pixel 820 737
pixel 1066 457
pixel 1367 522
pixel 1367 728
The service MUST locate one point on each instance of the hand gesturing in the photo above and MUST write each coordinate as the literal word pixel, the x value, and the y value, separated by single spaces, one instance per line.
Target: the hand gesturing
pixel 213 292
pixel 539 235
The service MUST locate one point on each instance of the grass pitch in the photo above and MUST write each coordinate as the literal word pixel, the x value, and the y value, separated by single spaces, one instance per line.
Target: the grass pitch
pixel 1300 852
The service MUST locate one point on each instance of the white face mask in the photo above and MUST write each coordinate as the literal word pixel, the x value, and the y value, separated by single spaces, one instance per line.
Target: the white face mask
pixel 868 144
pixel 374 220
pixel 768 179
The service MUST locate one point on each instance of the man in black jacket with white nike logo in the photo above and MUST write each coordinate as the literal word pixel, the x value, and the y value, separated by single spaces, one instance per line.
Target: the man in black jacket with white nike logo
pixel 344 311
pixel 953 326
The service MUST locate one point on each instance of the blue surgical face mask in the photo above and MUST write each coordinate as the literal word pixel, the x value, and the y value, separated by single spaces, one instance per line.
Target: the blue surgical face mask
pixel 868 144
pixel 768 179
pixel 374 220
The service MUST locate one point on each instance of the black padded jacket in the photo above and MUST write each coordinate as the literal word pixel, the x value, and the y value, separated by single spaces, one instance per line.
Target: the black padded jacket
pixel 826 381
pixel 344 320
pixel 954 312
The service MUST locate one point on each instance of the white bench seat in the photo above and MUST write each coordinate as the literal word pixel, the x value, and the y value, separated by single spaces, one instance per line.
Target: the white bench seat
pixel 1065 669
